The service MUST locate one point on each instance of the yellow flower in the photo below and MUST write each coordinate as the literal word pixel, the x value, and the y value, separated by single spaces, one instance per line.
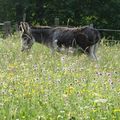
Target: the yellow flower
pixel 10 75
pixel 116 110
pixel 70 90
pixel 33 91
pixel 12 66
pixel 27 95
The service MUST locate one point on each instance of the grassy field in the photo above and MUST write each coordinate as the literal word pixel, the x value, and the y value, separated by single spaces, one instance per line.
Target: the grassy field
pixel 39 86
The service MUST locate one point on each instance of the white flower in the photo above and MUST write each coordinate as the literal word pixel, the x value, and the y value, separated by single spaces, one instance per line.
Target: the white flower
pixel 100 100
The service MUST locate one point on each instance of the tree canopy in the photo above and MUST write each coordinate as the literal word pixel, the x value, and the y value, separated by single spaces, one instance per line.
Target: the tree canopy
pixel 102 13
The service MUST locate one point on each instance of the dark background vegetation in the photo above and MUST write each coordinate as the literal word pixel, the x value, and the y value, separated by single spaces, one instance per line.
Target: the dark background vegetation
pixel 102 13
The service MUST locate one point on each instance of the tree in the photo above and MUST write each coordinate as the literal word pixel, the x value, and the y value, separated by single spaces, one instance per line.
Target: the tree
pixel 102 13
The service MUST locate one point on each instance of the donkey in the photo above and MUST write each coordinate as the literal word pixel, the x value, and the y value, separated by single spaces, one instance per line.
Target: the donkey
pixel 85 38
pixel 55 37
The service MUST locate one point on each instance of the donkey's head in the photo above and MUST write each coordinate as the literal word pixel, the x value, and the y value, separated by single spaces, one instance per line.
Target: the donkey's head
pixel 26 36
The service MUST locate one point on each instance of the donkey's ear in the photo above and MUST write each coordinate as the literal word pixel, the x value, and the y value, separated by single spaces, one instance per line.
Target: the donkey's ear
pixel 27 27
pixel 21 28
pixel 24 27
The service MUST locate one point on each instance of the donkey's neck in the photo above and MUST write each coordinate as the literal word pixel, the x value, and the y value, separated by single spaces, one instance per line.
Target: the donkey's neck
pixel 41 35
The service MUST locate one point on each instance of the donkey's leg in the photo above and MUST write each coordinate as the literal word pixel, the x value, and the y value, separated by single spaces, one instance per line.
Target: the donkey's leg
pixel 57 46
pixel 95 49
pixel 53 46
pixel 91 52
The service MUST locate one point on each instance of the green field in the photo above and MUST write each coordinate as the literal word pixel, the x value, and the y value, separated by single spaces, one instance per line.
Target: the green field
pixel 41 86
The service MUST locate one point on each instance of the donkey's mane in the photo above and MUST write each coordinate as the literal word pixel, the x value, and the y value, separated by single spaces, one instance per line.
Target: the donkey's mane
pixel 41 27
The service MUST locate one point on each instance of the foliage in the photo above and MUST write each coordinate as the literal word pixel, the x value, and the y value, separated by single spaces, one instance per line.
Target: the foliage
pixel 39 86
pixel 102 13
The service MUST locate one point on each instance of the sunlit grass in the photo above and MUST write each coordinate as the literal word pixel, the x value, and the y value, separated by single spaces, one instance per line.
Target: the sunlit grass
pixel 41 86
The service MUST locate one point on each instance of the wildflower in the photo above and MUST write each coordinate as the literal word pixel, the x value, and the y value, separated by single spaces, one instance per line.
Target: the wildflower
pixel 81 69
pixel 62 58
pixel 99 73
pixel 29 57
pixel 59 117
pixel 1 105
pixel 97 94
pixel 23 117
pixel 109 74
pixel 40 118
pixel 94 110
pixel 65 96
pixel 100 100
pixel 115 72
pixel 35 66
pixel 72 118
pixel 70 90
pixel 110 81
pixel 62 111
pixel 12 67
pixel 116 110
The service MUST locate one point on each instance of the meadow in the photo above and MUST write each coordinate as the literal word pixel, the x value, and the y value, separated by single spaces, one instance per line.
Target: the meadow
pixel 41 86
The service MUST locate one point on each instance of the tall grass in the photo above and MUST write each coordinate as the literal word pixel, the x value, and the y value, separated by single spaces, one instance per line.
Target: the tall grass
pixel 41 86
